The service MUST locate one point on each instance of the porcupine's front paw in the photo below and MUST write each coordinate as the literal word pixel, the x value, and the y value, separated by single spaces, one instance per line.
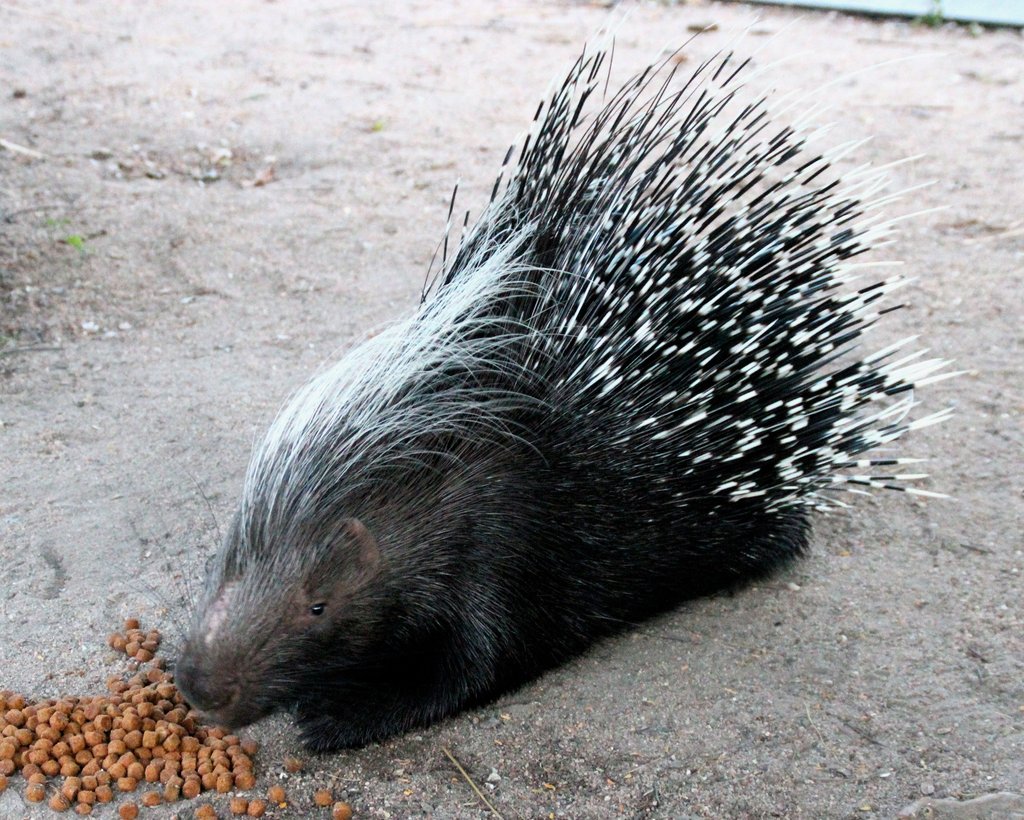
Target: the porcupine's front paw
pixel 321 732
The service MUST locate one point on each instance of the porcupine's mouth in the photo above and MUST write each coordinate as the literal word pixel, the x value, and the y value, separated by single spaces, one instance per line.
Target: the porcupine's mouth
pixel 219 701
pixel 230 709
pixel 237 714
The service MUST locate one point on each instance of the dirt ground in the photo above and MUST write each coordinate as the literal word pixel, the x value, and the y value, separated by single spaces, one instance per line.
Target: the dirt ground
pixel 200 203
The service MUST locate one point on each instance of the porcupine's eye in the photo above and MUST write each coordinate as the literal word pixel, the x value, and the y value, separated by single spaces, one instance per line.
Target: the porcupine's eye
pixel 317 609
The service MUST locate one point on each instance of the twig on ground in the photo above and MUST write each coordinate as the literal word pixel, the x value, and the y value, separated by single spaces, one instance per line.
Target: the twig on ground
pixel 472 785
pixel 29 349
pixel 810 721
pixel 21 149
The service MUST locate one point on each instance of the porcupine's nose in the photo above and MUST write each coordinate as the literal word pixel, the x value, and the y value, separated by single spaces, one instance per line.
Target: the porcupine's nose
pixel 201 689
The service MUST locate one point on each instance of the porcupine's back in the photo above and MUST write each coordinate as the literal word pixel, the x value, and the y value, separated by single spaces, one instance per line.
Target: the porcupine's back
pixel 690 313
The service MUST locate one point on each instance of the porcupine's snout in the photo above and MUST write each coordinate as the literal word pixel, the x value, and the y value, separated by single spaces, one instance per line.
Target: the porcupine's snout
pixel 217 690
pixel 212 668
pixel 201 688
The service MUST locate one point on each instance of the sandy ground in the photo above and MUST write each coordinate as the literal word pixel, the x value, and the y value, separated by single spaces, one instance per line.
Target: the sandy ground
pixel 215 200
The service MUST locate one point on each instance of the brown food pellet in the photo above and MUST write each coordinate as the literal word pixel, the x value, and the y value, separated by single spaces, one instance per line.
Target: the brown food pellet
pixel 172 791
pixel 323 798
pixel 131 623
pixel 257 807
pixel 239 805
pixel 59 802
pixel 151 799
pixel 225 782
pixel 83 809
pixel 245 780
pixel 191 788
pixel 275 794
pixel 206 812
pixel 35 792
pixel 341 811
pixel 3 783
pixel 128 811
pixel 292 765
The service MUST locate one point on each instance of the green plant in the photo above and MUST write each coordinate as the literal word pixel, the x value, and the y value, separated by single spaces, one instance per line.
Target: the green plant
pixel 933 18
pixel 75 241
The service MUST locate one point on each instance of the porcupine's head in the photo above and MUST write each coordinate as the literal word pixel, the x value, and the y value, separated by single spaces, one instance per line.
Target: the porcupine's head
pixel 271 611
pixel 349 497
pixel 295 591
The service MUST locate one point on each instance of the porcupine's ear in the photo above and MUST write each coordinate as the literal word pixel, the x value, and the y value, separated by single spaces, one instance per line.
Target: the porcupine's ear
pixel 348 558
pixel 366 547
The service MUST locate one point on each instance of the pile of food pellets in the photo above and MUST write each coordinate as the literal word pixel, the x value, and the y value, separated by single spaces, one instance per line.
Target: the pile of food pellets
pixel 140 737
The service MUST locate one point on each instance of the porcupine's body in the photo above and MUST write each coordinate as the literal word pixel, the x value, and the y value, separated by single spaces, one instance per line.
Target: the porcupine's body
pixel 626 388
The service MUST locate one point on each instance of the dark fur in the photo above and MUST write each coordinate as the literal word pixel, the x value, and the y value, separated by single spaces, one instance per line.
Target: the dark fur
pixel 488 577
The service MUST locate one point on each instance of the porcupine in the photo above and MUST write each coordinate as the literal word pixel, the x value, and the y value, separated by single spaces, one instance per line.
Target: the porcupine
pixel 629 384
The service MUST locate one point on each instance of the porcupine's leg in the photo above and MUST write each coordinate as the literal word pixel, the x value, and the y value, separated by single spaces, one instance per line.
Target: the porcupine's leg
pixel 358 719
pixel 747 547
pixel 409 688
pixel 321 732
pixel 327 726
pixel 774 540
